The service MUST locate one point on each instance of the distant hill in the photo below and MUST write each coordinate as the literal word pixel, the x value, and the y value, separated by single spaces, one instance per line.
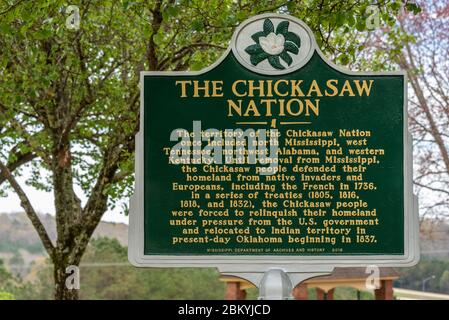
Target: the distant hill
pixel 20 244
pixel 16 232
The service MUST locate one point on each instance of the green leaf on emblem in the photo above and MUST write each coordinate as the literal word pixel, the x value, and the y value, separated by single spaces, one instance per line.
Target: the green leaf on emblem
pixel 286 57
pixel 282 28
pixel 290 47
pixel 256 58
pixel 268 27
pixel 257 35
pixel 290 36
pixel 275 63
pixel 255 48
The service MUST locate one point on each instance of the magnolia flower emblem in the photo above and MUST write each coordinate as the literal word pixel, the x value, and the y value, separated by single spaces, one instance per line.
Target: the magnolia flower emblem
pixel 274 45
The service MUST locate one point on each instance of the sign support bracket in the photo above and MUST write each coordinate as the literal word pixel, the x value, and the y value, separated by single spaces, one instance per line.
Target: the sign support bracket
pixel 278 283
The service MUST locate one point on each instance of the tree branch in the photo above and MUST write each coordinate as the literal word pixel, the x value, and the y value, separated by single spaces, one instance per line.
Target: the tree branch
pixel 11 7
pixel 119 176
pixel 97 202
pixel 31 213
pixel 29 139
pixel 431 188
pixel 21 159
pixel 184 51
pixel 155 25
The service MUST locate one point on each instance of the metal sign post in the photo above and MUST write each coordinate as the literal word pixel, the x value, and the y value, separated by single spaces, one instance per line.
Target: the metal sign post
pixel 275 285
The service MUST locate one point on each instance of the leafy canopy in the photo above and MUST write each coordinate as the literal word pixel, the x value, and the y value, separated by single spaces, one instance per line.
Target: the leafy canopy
pixel 81 86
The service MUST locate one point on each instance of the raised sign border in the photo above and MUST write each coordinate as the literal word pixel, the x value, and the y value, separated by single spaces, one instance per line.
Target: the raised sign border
pixel 254 263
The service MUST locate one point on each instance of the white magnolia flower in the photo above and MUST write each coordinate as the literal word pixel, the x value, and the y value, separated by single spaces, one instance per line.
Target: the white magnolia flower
pixel 272 44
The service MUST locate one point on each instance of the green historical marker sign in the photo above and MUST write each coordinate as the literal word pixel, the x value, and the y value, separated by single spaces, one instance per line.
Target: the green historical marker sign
pixel 273 156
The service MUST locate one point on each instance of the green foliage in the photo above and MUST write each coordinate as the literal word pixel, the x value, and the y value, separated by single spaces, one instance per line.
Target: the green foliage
pixel 126 282
pixel 8 245
pixel 106 274
pixel 5 276
pixel 14 288
pixel 348 293
pixel 6 296
pixel 412 278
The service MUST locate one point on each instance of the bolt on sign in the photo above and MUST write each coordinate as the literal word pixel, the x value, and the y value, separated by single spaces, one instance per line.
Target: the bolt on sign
pixel 273 157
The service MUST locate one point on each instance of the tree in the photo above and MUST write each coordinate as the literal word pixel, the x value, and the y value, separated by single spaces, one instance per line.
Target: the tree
pixel 69 94
pixel 424 39
pixel 425 59
pixel 412 278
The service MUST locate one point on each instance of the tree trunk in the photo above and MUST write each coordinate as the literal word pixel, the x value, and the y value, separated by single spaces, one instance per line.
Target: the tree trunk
pixel 65 280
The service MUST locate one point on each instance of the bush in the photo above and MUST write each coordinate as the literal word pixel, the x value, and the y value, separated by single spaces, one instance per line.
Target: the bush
pixel 6 296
